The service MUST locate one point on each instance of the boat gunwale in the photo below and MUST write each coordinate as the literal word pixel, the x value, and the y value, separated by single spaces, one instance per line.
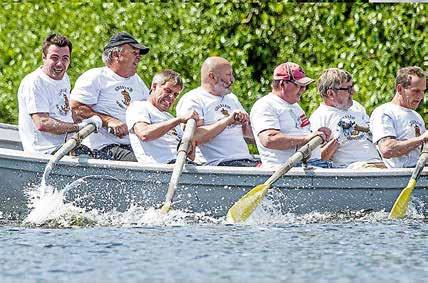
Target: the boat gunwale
pixel 134 166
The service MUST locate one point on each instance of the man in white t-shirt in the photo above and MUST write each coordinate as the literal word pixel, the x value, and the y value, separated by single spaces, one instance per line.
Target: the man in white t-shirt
pixel 345 118
pixel 154 133
pixel 398 130
pixel 107 92
pixel 280 124
pixel 224 122
pixel 45 117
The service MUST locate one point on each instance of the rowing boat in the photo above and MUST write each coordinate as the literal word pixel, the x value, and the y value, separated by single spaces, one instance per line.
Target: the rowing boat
pixel 107 185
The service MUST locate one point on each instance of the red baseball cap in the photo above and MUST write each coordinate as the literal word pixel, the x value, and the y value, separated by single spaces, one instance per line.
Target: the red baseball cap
pixel 290 71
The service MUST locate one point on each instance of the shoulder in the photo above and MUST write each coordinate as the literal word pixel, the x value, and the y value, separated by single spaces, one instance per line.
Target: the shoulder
pixel 320 111
pixel 91 74
pixel 33 77
pixel 195 96
pixel 356 106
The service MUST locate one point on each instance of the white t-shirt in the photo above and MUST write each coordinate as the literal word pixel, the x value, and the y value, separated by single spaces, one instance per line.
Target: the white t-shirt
pixel 273 113
pixel 161 150
pixel 108 93
pixel 392 120
pixel 38 93
pixel 354 146
pixel 230 143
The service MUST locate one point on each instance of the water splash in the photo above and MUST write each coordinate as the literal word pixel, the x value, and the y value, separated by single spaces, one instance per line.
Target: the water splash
pixel 49 208
pixel 53 209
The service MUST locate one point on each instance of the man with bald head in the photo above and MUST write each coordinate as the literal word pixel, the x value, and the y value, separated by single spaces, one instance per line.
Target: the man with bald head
pixel 224 122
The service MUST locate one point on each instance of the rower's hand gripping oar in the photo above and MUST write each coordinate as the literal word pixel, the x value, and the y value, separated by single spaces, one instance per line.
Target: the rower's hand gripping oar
pixel 399 209
pixel 68 146
pixel 183 150
pixel 245 206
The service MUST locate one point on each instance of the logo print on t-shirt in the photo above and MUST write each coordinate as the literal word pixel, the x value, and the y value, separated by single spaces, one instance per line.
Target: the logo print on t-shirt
pixel 126 98
pixel 64 107
pixel 224 112
pixel 416 127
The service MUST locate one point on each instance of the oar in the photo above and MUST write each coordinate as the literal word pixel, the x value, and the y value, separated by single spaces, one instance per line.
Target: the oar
pixel 74 141
pixel 399 209
pixel 183 150
pixel 245 206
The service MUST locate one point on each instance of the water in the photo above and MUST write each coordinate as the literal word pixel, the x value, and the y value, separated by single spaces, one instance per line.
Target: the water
pixel 62 243
pixel 344 251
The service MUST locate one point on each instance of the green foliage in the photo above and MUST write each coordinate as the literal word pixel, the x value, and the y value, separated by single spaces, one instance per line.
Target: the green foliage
pixel 370 40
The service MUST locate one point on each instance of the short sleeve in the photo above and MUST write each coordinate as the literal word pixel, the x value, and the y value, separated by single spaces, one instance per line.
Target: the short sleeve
pixel 137 112
pixel 189 103
pixel 35 100
pixel 86 89
pixel 381 125
pixel 263 117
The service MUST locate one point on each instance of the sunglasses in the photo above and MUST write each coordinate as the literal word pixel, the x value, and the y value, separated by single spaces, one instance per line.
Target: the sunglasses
pixel 350 89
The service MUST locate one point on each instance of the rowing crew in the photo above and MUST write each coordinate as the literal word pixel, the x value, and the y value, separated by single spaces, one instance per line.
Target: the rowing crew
pixel 133 122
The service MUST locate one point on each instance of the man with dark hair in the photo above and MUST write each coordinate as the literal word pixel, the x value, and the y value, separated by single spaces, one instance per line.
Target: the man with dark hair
pixel 398 130
pixel 107 92
pixel 45 117
pixel 280 124
pixel 154 133
pixel 345 117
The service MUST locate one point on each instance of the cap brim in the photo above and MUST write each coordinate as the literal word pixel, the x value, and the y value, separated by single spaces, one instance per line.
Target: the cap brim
pixel 143 49
pixel 304 81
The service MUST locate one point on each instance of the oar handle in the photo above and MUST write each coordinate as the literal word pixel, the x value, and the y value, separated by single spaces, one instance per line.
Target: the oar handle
pixel 298 156
pixel 183 150
pixel 74 141
pixel 420 164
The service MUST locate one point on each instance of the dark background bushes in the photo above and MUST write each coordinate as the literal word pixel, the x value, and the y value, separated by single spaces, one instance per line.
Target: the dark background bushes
pixel 370 40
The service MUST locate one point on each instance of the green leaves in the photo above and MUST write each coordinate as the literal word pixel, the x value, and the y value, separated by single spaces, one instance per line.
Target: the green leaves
pixel 369 40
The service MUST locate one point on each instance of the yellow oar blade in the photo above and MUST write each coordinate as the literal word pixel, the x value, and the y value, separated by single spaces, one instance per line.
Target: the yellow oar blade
pixel 243 208
pixel 166 207
pixel 399 209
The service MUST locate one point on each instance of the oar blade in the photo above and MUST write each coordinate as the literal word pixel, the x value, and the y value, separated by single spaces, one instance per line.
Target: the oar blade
pixel 245 206
pixel 399 209
pixel 166 207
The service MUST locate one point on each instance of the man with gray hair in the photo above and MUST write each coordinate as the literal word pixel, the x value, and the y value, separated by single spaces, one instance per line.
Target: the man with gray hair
pixel 348 121
pixel 107 92
pixel 398 130
pixel 154 133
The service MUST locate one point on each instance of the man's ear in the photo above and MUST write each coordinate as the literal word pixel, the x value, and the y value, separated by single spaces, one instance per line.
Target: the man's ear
pixel 211 75
pixel 330 93
pixel 153 87
pixel 399 89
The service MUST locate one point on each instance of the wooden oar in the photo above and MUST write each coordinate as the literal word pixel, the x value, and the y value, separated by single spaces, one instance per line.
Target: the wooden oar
pixel 245 206
pixel 399 209
pixel 183 150
pixel 66 148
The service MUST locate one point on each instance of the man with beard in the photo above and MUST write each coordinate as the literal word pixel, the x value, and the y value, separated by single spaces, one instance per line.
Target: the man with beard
pixel 398 130
pixel 345 118
pixel 154 133
pixel 45 117
pixel 280 124
pixel 224 122
pixel 107 92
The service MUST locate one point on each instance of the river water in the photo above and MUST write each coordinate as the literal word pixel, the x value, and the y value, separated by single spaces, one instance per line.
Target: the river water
pixel 140 246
